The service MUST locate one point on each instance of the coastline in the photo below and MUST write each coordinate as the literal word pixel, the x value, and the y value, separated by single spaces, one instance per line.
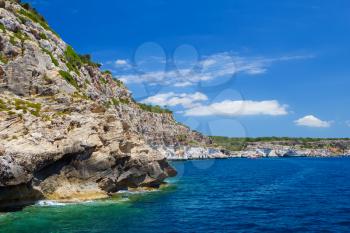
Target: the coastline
pixel 92 197
pixel 233 185
pixel 82 199
pixel 184 153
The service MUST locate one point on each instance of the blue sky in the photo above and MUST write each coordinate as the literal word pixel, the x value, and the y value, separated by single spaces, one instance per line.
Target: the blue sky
pixel 233 68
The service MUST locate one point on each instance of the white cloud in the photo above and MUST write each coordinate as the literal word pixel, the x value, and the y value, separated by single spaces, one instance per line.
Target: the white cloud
pixel 182 84
pixel 174 99
pixel 121 62
pixel 213 67
pixel 208 62
pixel 239 108
pixel 312 121
pixel 193 105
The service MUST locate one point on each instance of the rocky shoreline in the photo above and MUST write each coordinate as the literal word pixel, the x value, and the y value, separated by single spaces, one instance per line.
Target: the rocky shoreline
pixel 197 153
pixel 68 130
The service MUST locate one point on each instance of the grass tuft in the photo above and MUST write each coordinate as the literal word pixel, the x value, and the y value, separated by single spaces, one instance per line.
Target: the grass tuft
pixel 33 15
pixel 69 78
pixel 154 109
pixel 53 59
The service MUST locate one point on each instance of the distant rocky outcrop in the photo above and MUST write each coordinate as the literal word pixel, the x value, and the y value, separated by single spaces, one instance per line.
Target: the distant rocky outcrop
pixel 224 147
pixel 191 152
pixel 68 130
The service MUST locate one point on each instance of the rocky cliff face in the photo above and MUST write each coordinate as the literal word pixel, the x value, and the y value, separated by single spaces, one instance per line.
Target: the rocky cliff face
pixel 160 129
pixel 68 130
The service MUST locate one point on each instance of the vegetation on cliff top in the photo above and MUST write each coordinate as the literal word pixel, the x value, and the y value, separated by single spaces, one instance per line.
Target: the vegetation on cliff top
pixel 237 144
pixel 73 60
pixel 34 15
pixel 154 109
pixel 232 144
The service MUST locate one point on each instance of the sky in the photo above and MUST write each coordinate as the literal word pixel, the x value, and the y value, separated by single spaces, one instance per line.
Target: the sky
pixel 240 68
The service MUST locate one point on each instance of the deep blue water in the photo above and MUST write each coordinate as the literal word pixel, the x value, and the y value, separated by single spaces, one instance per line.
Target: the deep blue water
pixel 271 195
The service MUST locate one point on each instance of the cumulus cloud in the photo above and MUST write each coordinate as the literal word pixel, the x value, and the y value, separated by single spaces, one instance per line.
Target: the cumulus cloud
pixel 121 62
pixel 183 84
pixel 173 99
pixel 211 67
pixel 312 121
pixel 239 108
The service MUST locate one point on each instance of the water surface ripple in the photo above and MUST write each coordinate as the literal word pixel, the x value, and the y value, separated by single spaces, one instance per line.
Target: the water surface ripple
pixel 237 195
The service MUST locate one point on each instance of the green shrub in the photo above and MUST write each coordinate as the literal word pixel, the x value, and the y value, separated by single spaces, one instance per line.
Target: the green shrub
pixel 120 101
pixel 73 59
pixel 12 40
pixel 107 72
pixel 26 6
pixel 104 81
pixel 23 19
pixel 34 16
pixel 124 101
pixel 25 106
pixel 86 59
pixel 69 78
pixel 53 59
pixel 63 113
pixel 233 144
pixel 37 18
pixel 3 59
pixel 107 104
pixel 80 96
pixel 21 36
pixel 11 113
pixel 155 109
pixel 72 68
pixel 236 144
pixel 193 143
pixel 2 27
pixel 42 36
pixel 115 101
pixel 3 106
pixel 181 137
pixel 119 83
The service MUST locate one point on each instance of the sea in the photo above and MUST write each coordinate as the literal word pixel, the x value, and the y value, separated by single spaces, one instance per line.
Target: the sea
pixel 232 195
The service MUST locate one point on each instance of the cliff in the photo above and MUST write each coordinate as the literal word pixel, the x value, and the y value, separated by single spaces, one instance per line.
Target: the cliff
pixel 68 130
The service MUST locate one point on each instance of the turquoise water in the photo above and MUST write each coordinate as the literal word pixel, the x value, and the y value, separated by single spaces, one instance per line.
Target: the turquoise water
pixel 294 194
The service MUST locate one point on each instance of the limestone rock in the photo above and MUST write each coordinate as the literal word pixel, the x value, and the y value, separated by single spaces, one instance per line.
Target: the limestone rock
pixel 70 131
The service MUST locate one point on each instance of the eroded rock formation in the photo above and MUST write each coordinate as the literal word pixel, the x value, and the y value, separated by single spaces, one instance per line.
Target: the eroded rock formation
pixel 67 130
